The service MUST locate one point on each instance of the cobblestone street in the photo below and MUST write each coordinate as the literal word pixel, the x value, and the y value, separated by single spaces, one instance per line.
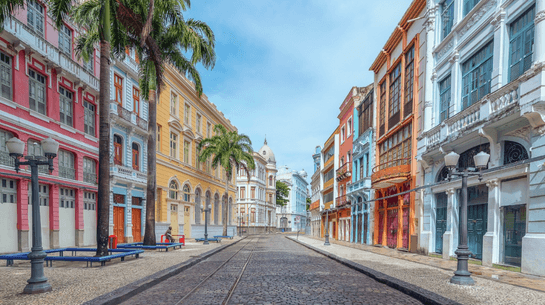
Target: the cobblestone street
pixel 276 271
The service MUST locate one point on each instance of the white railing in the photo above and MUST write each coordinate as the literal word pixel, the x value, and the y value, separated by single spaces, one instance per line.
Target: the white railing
pixel 131 63
pixel 434 135
pixel 364 182
pixel 128 173
pixel 50 52
pixel 464 118
pixel 504 97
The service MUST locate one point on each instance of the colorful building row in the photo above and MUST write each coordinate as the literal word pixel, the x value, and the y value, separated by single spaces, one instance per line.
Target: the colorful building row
pixel 454 76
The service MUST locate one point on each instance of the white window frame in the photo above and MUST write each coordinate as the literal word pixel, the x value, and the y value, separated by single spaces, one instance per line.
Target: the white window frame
pixel 67 198
pixel 6 76
pixel 89 201
pixel 174 154
pixel 8 191
pixel 66 106
pixel 65 39
pixel 174 103
pixel 89 124
pixel 187 114
pixel 188 161
pixel 34 83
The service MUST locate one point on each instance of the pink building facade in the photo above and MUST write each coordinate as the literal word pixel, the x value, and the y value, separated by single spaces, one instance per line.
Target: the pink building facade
pixel 47 92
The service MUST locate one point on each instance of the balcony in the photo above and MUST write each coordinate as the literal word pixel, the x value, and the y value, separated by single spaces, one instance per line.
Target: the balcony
pixel 67 172
pixel 390 173
pixel 51 55
pixel 343 172
pixel 90 178
pixel 128 116
pixel 360 185
pixel 314 205
pixel 342 201
pixel 127 173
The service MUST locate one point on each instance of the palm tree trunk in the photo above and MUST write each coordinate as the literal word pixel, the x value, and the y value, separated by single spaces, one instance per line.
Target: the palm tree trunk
pixel 149 234
pixel 103 200
pixel 226 205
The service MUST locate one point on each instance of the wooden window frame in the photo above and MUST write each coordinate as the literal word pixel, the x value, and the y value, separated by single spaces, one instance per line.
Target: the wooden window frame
pixel 118 87
pixel 136 100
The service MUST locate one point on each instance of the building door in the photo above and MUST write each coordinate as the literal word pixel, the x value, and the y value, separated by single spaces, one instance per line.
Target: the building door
pixel 359 228
pixel 187 226
pixel 392 224
pixel 119 224
pixel 365 224
pixel 137 225
pixel 514 228
pixel 440 220
pixel 380 227
pixel 174 219
pixel 406 228
pixel 476 218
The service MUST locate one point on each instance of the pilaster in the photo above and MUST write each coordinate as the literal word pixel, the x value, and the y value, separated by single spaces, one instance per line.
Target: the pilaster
pixel 539 34
pixel 450 237
pixel 491 247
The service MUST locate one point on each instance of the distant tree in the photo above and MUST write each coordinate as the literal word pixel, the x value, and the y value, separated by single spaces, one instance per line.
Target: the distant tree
pixel 282 193
pixel 308 203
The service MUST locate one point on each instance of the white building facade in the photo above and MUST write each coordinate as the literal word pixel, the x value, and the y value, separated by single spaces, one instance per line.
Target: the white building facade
pixel 256 197
pixel 293 215
pixel 486 73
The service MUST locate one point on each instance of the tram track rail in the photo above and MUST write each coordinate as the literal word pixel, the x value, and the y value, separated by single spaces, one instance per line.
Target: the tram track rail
pixel 235 284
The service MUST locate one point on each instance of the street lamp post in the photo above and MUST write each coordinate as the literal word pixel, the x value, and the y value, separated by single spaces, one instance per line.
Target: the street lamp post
pixel 327 228
pixel 206 211
pixel 462 276
pixel 37 282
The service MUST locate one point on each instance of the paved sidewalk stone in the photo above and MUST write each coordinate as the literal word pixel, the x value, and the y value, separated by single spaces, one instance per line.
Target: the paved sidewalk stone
pixel 433 278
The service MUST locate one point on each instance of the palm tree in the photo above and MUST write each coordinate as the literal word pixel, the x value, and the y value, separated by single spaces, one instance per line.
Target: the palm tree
pixel 170 39
pixel 106 23
pixel 230 150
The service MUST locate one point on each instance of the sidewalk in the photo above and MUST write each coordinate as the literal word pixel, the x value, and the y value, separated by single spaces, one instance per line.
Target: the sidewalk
pixel 433 274
pixel 74 283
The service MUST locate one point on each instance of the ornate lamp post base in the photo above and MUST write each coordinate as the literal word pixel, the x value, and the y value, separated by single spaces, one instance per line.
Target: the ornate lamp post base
pixel 462 276
pixel 34 288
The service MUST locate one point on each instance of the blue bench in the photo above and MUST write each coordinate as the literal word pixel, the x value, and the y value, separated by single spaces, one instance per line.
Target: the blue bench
pixel 209 239
pixel 158 246
pixel 227 236
pixel 113 253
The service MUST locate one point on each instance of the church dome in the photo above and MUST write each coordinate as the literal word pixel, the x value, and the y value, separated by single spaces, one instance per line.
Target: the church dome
pixel 303 173
pixel 267 153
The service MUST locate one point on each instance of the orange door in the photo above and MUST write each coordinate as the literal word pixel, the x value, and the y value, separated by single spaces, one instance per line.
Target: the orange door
pixel 136 225
pixel 119 224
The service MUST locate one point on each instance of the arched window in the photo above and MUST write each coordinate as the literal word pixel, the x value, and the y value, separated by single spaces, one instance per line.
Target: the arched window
pixel 216 208
pixel 513 152
pixel 443 174
pixel 466 158
pixel 118 150
pixel 5 159
pixel 135 156
pixel 198 206
pixel 173 190
pixel 187 194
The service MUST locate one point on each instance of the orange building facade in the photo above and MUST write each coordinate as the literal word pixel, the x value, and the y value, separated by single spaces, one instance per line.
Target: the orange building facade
pixel 399 70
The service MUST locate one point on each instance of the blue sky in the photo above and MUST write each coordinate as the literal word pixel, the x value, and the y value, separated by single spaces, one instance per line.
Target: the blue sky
pixel 284 67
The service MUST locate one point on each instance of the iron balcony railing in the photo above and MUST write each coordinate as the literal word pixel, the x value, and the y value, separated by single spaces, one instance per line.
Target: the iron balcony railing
pixel 67 172
pixel 342 200
pixel 90 178
pixel 343 171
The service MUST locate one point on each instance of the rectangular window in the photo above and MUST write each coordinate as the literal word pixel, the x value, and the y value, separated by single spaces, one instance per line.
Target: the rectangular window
pixel 187 114
pixel 252 192
pixel 89 118
pixel 37 100
pixel 396 150
pixel 66 107
pixel 469 5
pixel 342 134
pixel 173 145
pixel 118 84
pixel 393 104
pixel 409 83
pixel 367 169
pixel 65 40
pixel 67 198
pixel 136 100
pixel 444 99
pixel 521 44
pixel 8 191
pixel 5 75
pixel 366 114
pixel 135 156
pixel 208 127
pixel 186 151
pixel 242 193
pixel 66 164
pixel 447 17
pixel 43 194
pixel 89 171
pixel 118 150
pixel 198 123
pixel 329 175
pixel 89 65
pixel 158 148
pixel 382 111
pixel 174 104
pixel 89 201
pixel 476 75
pixel 35 17
pixel 328 197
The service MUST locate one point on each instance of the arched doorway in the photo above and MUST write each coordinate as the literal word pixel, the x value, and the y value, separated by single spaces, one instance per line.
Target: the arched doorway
pixel 216 208
pixel 198 207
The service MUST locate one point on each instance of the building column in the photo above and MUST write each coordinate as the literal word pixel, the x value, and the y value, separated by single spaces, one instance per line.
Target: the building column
pixel 450 237
pixel 143 218
pixel 54 216
pixel 539 32
pixel 499 41
pixel 22 216
pixel 430 43
pixel 79 217
pixel 128 215
pixel 491 245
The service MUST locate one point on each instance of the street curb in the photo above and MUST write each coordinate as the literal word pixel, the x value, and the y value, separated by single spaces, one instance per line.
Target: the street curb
pixel 421 294
pixel 128 291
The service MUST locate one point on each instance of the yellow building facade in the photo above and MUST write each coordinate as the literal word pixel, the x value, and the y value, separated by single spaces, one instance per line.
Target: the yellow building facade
pixel 184 185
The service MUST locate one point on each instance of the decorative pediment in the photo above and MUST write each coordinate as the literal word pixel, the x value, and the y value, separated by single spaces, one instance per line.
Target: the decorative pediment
pixel 174 123
pixel 188 133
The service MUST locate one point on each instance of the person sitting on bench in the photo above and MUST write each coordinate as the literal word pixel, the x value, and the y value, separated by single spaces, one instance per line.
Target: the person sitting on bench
pixel 168 235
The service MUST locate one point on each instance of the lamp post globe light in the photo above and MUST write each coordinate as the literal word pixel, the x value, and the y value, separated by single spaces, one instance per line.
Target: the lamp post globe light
pixel 462 276
pixel 37 282
pixel 208 208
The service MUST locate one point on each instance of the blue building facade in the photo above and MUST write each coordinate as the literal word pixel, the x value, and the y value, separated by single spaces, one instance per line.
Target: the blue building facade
pixel 359 190
pixel 128 164
pixel 295 210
